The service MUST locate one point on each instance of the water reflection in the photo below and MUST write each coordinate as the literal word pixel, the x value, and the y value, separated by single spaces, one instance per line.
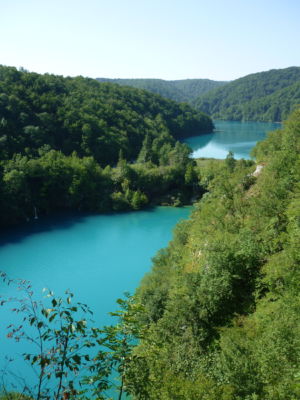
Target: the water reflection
pixel 238 137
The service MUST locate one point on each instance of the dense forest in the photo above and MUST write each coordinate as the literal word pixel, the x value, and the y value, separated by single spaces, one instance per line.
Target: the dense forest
pixel 77 144
pixel 221 305
pixel 217 318
pixel 265 96
pixel 184 90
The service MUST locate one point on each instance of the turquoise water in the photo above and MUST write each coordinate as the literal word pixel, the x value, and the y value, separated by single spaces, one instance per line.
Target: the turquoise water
pixel 238 137
pixel 97 257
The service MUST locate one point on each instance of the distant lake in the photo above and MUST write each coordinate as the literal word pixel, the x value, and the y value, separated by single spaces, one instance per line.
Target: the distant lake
pixel 238 137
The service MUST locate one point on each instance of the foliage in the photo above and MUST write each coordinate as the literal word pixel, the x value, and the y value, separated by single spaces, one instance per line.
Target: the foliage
pixel 184 90
pixel 221 304
pixel 72 359
pixel 14 396
pixel 265 96
pixel 77 144
pixel 64 342
pixel 83 115
pixel 54 182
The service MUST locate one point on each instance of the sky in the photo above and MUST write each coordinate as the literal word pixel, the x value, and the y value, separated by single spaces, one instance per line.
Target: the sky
pixel 166 39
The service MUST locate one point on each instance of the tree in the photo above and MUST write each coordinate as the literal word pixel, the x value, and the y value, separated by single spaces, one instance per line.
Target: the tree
pixel 65 344
pixel 146 150
pixel 230 161
pixel 121 339
pixel 138 200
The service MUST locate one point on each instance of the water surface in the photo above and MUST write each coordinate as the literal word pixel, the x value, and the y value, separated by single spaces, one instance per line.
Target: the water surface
pixel 238 137
pixel 97 257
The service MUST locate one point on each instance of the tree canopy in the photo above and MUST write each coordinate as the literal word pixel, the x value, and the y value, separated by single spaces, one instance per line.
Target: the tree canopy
pixel 264 96
pixel 77 144
pixel 182 90
pixel 221 304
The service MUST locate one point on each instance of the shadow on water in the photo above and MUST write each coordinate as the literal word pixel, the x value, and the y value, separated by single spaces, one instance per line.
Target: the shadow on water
pixel 202 140
pixel 57 221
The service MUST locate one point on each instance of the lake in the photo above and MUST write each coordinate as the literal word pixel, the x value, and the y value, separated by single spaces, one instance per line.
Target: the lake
pixel 98 257
pixel 238 137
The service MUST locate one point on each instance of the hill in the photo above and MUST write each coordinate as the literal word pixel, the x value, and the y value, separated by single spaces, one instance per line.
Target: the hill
pixel 185 90
pixel 265 96
pixel 82 115
pixel 77 144
pixel 220 308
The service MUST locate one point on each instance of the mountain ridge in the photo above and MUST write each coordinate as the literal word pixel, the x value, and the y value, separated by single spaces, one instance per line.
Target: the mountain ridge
pixel 264 96
pixel 182 90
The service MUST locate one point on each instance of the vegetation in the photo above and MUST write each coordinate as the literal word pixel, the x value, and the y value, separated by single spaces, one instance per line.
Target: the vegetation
pixel 14 396
pixel 184 90
pixel 71 358
pixel 221 304
pixel 217 318
pixel 77 144
pixel 265 96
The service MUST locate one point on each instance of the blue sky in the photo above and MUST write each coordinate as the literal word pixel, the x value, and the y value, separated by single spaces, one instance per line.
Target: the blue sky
pixel 168 39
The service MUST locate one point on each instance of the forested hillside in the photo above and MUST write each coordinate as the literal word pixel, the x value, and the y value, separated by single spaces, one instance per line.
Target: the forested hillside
pixel 75 143
pixel 265 96
pixel 184 90
pixel 220 315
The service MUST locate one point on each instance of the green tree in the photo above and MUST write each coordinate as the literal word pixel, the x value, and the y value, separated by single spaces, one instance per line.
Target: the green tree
pixel 65 344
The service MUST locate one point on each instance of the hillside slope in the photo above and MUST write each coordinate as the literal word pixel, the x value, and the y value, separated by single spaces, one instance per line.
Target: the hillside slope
pixel 265 96
pixel 83 115
pixel 185 90
pixel 221 304
pixel 77 144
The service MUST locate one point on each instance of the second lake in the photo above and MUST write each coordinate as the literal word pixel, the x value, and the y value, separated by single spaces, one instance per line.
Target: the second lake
pixel 238 137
